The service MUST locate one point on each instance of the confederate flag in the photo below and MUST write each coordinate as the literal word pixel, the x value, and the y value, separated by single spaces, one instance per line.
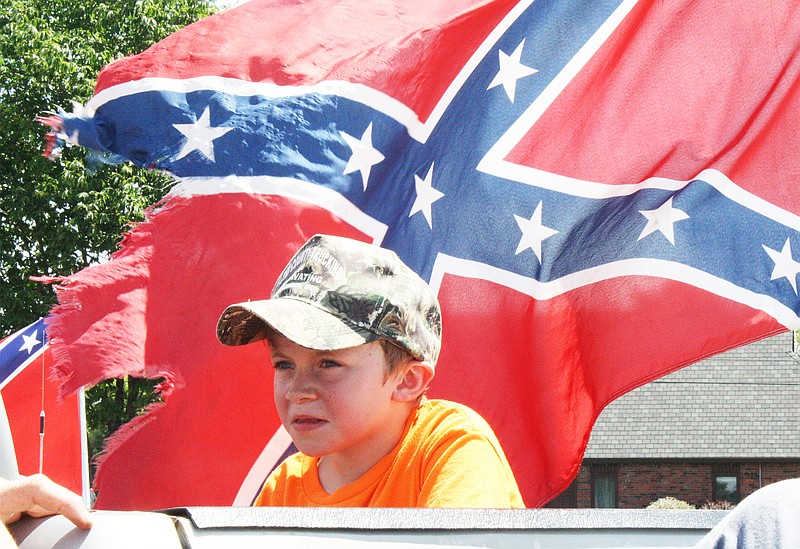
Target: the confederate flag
pixel 48 434
pixel 601 192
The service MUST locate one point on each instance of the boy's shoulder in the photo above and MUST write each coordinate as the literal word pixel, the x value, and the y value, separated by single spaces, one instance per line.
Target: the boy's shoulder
pixel 285 481
pixel 446 407
pixel 447 416
pixel 293 467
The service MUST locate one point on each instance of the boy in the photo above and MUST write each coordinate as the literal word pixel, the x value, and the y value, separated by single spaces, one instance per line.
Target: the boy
pixel 354 336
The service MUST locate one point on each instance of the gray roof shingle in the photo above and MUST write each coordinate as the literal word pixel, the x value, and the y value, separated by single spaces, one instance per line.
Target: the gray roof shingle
pixel 744 403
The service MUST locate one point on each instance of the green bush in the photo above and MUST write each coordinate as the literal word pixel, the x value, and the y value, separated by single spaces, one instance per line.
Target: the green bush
pixel 718 505
pixel 670 503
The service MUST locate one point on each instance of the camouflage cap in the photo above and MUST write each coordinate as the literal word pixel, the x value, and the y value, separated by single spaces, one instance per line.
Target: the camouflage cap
pixel 337 293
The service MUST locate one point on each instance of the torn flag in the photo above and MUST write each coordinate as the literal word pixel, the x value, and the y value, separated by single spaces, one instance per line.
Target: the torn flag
pixel 600 192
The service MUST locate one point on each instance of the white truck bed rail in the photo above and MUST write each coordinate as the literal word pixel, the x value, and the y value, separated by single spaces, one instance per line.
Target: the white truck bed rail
pixel 312 528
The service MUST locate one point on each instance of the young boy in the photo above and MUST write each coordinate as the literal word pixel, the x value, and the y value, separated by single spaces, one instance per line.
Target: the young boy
pixel 354 336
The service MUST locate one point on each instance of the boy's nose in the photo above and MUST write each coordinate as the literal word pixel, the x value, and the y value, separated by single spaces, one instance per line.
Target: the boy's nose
pixel 301 388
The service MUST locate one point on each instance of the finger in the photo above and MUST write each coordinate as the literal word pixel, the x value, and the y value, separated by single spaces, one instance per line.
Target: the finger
pixel 8 518
pixel 78 516
pixel 50 498
pixel 42 496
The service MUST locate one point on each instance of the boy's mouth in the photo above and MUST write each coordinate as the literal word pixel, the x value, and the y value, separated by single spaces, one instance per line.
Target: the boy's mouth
pixel 307 423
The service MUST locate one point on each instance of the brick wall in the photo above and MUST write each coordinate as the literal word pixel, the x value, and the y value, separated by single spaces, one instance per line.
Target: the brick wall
pixel 752 476
pixel 639 484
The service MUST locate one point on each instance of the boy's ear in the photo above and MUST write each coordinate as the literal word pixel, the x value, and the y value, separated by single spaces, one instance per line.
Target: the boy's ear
pixel 416 377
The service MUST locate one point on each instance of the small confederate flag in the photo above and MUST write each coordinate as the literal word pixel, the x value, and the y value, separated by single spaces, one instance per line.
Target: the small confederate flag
pixel 48 433
pixel 601 192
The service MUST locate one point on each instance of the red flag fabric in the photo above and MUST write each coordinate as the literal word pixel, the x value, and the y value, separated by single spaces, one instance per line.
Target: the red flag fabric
pixel 28 389
pixel 600 192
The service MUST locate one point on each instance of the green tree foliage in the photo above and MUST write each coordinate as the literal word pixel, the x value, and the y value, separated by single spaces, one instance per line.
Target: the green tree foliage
pixel 59 217
pixel 111 404
pixel 56 218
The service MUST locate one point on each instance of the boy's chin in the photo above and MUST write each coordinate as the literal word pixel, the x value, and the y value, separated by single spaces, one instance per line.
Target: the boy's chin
pixel 309 450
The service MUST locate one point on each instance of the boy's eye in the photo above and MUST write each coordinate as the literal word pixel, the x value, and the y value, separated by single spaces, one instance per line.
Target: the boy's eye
pixel 330 364
pixel 282 365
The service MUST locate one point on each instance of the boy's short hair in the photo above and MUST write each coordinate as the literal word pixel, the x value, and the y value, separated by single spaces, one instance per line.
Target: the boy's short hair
pixel 394 356
pixel 337 293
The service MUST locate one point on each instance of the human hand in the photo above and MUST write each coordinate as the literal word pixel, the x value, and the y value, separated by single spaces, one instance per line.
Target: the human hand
pixel 39 496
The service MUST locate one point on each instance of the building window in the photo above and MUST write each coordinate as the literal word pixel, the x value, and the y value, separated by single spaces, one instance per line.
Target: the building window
pixel 726 483
pixel 604 486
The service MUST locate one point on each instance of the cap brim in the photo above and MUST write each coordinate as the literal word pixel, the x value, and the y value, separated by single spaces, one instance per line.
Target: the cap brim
pixel 299 321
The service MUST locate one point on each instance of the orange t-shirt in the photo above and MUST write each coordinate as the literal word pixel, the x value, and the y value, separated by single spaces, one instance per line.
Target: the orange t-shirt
pixel 448 456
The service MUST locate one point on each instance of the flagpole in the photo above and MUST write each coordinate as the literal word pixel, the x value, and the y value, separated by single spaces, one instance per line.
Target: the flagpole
pixel 8 457
pixel 85 487
pixel 41 414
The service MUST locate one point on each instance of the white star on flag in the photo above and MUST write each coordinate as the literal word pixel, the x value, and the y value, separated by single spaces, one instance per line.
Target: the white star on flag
pixel 662 219
pixel 533 233
pixel 426 196
pixel 364 154
pixel 511 70
pixel 200 136
pixel 30 341
pixel 785 266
